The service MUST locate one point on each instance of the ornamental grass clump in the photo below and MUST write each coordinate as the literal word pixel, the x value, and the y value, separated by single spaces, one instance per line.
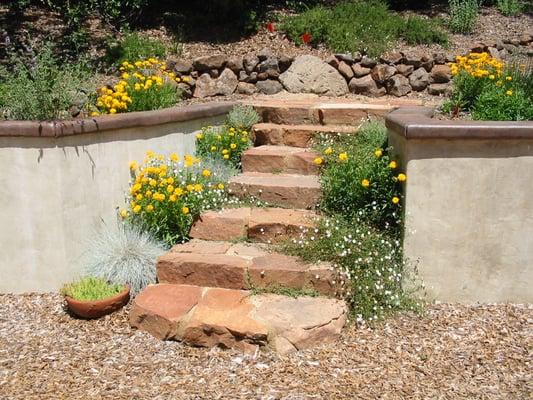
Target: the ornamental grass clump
pixel 167 193
pixel 125 255
pixel 144 85
pixel 490 90
pixel 91 289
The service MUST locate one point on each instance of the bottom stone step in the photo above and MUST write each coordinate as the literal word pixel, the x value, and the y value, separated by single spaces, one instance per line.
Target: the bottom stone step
pixel 207 317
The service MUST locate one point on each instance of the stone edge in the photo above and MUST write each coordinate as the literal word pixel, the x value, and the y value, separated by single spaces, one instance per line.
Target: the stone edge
pixel 55 129
pixel 418 123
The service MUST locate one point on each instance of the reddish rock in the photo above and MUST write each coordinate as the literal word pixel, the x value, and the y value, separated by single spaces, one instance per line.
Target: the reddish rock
pixel 201 246
pixel 398 85
pixel 419 79
pixel 366 86
pixel 215 270
pixel 246 88
pixel 382 72
pixel 276 159
pixel 275 224
pixel 405 70
pixel 235 63
pixel 392 58
pixel 299 191
pixel 441 74
pixel 229 224
pixel 224 85
pixel 360 71
pixel 333 61
pixel 345 70
pixel 438 89
pixel 207 63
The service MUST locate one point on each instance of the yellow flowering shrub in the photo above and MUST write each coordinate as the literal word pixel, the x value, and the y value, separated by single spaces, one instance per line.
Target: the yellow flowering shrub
pixel 167 193
pixel 359 179
pixel 223 142
pixel 144 85
pixel 489 89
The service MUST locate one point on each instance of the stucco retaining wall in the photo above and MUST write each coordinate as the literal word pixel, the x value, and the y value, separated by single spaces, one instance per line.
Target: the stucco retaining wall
pixel 469 208
pixel 59 181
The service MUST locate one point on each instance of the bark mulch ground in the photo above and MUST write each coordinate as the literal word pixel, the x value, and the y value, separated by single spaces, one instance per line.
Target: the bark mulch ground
pixel 450 352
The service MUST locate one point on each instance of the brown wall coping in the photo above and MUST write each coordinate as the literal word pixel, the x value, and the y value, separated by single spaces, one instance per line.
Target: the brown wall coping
pixel 54 129
pixel 417 123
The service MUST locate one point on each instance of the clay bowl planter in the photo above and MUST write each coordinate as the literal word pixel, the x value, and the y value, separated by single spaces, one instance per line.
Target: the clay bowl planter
pixel 90 309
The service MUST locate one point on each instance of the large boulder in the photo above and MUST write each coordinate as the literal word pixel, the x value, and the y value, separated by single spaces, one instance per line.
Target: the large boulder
pixel 224 85
pixel 309 74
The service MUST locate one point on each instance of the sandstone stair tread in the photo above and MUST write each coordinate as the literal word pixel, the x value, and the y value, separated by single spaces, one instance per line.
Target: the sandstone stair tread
pixel 242 266
pixel 266 225
pixel 266 133
pixel 206 316
pixel 286 190
pixel 279 159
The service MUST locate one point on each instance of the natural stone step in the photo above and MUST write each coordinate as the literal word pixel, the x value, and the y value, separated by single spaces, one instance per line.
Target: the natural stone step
pixel 286 190
pixel 266 225
pixel 203 316
pixel 279 159
pixel 242 266
pixel 294 135
pixel 324 112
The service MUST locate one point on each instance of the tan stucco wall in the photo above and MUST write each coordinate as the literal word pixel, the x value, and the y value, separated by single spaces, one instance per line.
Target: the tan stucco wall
pixel 469 217
pixel 55 192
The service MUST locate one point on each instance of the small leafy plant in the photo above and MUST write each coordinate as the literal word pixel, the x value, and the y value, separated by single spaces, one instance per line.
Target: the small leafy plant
pixel 463 15
pixel 509 7
pixel 242 117
pixel 166 194
pixel 45 89
pixel 123 256
pixel 136 46
pixel 91 289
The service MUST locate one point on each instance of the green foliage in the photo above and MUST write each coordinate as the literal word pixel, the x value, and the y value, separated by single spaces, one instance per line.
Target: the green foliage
pixel 463 15
pixel 242 117
pixel 91 289
pixel 498 103
pixel 355 25
pixel 365 184
pixel 45 90
pixel 370 262
pixel 167 194
pixel 155 98
pixel 123 256
pixel 418 30
pixel 509 7
pixel 136 46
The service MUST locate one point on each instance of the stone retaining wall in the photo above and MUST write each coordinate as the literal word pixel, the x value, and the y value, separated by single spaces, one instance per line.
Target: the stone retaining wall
pixel 396 74
pixel 468 209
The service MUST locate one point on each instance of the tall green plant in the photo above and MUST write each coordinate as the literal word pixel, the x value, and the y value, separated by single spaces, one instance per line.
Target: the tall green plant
pixel 509 7
pixel 463 15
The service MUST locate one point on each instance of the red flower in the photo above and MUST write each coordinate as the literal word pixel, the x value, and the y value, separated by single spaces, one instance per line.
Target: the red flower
pixel 306 37
pixel 270 27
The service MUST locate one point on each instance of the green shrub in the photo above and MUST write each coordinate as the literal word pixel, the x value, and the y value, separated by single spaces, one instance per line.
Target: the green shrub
pixel 463 15
pixel 91 289
pixel 418 30
pixel 242 117
pixel 123 256
pixel 503 103
pixel 355 25
pixel 45 90
pixel 167 194
pixel 359 179
pixel 509 7
pixel 136 46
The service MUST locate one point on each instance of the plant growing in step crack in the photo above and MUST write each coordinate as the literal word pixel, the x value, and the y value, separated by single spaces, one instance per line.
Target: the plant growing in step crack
pixel 242 118
pixel 125 255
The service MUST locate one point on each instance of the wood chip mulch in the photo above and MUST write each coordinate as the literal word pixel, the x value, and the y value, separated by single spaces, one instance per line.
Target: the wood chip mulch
pixel 450 352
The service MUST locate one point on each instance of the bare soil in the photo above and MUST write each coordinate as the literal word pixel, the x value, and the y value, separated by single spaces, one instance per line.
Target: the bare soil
pixel 450 352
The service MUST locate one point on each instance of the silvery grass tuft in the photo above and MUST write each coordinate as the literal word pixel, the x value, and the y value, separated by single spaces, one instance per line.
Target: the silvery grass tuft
pixel 242 117
pixel 125 255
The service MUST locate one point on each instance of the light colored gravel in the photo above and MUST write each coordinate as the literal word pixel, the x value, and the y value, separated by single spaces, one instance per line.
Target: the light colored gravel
pixel 451 352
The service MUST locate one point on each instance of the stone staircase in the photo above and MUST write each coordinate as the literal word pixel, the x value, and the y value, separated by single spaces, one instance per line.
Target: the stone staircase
pixel 220 288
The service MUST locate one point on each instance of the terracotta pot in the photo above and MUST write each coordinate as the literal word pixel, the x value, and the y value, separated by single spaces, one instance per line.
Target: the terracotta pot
pixel 98 308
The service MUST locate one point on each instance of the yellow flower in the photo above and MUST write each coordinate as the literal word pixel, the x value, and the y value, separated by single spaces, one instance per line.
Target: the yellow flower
pixel 133 165
pixel 343 156
pixel 152 182
pixel 395 200
pixel 200 136
pixel 95 113
pixel 112 111
pixel 178 191
pixel 509 78
pixel 198 187
pixel 173 157
pixel 190 188
pixel 206 173
pixel 213 148
pixel 124 213
pixel 226 157
pixel 170 189
pixel 172 198
pixel 137 209
pixel 402 177
pixel 221 186
pixel 328 151
pixel 139 197
pixel 170 180
pixel 509 93
pixel 233 146
pixel 393 165
pixel 365 183
pixel 149 208
pixel 492 77
pixel 378 153
pixel 225 151
pixel 185 210
pixel 148 193
pixel 318 161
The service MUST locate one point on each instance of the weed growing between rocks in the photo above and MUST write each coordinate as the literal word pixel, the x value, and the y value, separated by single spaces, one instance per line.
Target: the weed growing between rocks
pixel 361 232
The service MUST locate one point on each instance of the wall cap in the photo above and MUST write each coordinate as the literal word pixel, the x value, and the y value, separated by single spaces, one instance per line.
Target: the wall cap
pixel 418 123
pixel 60 128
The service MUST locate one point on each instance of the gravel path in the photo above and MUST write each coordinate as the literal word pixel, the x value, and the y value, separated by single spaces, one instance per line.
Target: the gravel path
pixel 451 352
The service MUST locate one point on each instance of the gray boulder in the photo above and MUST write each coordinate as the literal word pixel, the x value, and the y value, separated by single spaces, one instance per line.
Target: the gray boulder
pixel 224 85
